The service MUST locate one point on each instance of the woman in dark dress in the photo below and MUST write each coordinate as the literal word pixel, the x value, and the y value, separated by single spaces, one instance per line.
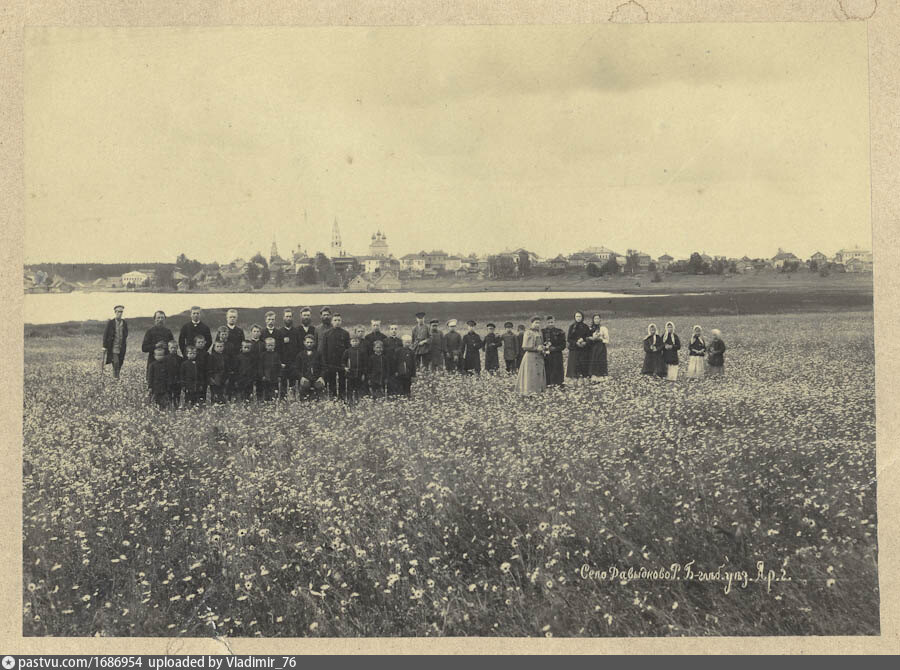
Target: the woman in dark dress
pixel 671 346
pixel 599 339
pixel 715 353
pixel 578 338
pixel 653 353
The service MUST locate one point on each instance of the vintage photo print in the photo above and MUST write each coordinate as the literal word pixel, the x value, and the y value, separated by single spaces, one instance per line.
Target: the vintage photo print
pixel 441 331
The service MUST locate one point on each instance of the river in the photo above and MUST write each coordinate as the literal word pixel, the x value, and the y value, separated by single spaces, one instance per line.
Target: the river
pixel 41 308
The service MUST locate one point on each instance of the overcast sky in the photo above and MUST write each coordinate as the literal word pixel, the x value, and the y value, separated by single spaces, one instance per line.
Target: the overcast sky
pixel 728 139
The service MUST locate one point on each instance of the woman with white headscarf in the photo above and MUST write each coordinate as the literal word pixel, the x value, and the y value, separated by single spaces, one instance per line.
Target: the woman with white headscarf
pixel 653 348
pixel 671 345
pixel 696 354
pixel 715 354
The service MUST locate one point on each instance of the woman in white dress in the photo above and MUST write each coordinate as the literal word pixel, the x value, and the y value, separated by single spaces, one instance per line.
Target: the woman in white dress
pixel 532 373
pixel 696 355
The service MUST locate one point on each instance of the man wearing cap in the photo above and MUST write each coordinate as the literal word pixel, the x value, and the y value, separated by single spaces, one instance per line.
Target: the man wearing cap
pixel 114 340
pixel 435 346
pixel 553 361
pixel 471 350
pixel 421 340
pixel 322 329
pixel 452 347
pixel 191 330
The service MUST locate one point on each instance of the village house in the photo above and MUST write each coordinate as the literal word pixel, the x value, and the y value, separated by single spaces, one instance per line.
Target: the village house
pixel 414 262
pixel 558 263
pixel 453 263
pixel 137 278
pixel 858 264
pixel 782 257
pixel 818 258
pixel 664 261
pixel 844 256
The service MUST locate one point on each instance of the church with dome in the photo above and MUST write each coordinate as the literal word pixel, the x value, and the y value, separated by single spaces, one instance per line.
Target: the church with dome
pixel 379 246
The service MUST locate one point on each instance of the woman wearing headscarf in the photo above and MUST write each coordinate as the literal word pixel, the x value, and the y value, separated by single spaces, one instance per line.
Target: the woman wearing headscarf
pixel 696 353
pixel 715 354
pixel 532 377
pixel 599 339
pixel 578 339
pixel 653 356
pixel 671 345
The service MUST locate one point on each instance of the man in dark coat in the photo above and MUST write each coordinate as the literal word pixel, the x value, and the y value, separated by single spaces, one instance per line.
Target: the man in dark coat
pixel 421 340
pixel 305 328
pixel 322 329
pixel 452 348
pixel 191 329
pixel 435 346
pixel 291 344
pixel 492 343
pixel 520 338
pixel 157 333
pixel 553 361
pixel 234 339
pixel 269 330
pixel 114 338
pixel 471 350
pixel 337 341
pixel 375 336
pixel 392 342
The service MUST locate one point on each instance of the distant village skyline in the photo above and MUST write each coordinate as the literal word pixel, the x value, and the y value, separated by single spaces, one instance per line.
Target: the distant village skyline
pixel 734 140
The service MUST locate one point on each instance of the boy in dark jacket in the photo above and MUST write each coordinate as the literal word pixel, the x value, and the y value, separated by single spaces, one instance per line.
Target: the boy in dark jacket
pixel 201 349
pixel 310 369
pixel 492 342
pixel 337 341
pixel 354 364
pixel 158 379
pixel 216 372
pixel 190 377
pixel 173 370
pixel 245 375
pixel 378 372
pixel 257 347
pixel 470 354
pixel 393 341
pixel 510 345
pixel 270 370
pixel 403 367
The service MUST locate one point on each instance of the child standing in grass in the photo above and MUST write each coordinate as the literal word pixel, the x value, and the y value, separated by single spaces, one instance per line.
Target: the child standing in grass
pixel 492 342
pixel 311 370
pixel 510 344
pixel 245 374
pixel 354 363
pixel 173 369
pixel 158 378
pixel 378 371
pixel 270 370
pixel 716 354
pixel 190 377
pixel 403 366
pixel 257 347
pixel 216 371
pixel 202 363
pixel 696 353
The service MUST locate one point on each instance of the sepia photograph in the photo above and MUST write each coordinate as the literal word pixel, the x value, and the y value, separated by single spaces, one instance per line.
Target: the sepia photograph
pixel 490 331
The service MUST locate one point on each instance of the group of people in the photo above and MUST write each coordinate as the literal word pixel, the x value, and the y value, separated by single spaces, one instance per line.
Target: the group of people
pixel 308 361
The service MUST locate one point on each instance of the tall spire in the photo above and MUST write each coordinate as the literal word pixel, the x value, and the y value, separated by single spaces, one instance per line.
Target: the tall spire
pixel 274 252
pixel 335 239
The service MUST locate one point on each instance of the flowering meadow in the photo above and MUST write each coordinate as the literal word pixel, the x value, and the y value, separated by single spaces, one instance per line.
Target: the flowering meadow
pixel 742 505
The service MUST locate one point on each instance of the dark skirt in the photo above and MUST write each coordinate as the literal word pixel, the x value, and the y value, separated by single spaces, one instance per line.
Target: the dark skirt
pixel 598 367
pixel 653 364
pixel 579 363
pixel 554 365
